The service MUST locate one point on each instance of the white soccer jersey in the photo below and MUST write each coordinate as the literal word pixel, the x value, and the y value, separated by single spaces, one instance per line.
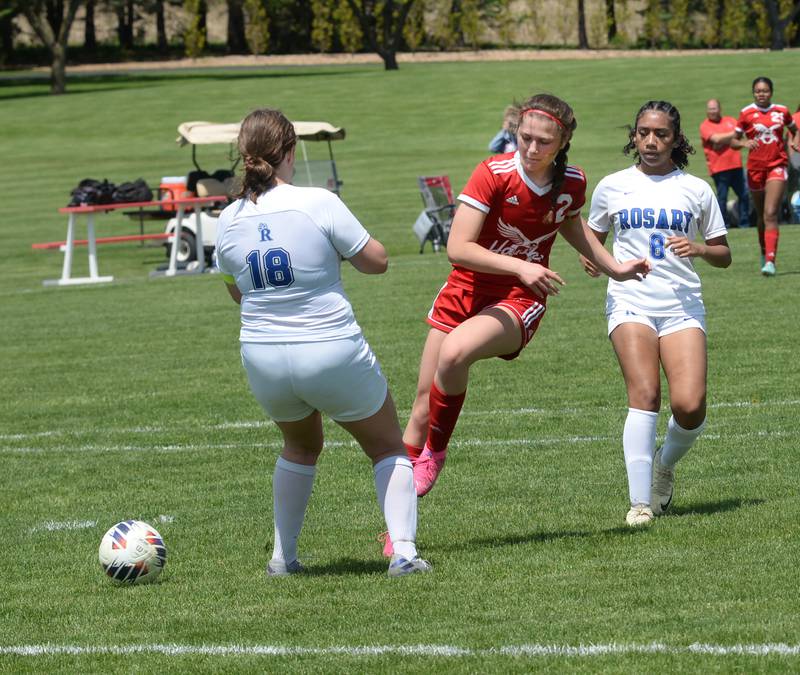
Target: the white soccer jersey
pixel 643 211
pixel 284 253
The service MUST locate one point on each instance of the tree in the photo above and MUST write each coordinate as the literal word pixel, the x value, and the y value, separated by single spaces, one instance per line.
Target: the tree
pixel 237 43
pixel 678 23
pixel 713 22
pixel 51 20
pixel 778 24
pixel 126 16
pixel 382 23
pixel 89 33
pixel 735 23
pixel 611 20
pixel 8 10
pixel 257 26
pixel 583 41
pixel 156 8
pixel 194 37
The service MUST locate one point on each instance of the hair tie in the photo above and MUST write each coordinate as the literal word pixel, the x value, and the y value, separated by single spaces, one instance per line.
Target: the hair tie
pixel 539 111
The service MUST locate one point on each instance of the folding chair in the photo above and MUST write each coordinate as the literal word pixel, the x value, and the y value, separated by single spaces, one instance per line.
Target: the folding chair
pixel 433 224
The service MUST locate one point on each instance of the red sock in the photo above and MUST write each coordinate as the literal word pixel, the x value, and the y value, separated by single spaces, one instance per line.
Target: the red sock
pixel 413 452
pixel 771 244
pixel 761 242
pixel 444 412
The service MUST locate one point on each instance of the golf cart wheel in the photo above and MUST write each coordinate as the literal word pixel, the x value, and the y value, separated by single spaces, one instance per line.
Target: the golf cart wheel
pixel 187 249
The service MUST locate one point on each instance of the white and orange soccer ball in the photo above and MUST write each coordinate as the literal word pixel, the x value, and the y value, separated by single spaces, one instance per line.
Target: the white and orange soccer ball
pixel 132 552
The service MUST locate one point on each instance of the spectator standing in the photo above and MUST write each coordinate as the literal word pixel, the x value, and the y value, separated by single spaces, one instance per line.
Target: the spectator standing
pixel 724 160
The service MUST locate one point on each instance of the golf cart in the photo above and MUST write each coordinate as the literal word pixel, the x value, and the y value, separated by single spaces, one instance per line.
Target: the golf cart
pixel 199 183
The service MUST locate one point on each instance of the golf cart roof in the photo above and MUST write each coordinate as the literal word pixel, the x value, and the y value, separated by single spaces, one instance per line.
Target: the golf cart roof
pixel 206 133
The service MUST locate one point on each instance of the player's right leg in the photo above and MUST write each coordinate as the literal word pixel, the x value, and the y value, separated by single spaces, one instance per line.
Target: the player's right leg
pixel 416 430
pixel 756 186
pixel 683 356
pixel 292 482
pixel 773 194
pixel 494 331
pixel 269 373
pixel 636 347
pixel 379 436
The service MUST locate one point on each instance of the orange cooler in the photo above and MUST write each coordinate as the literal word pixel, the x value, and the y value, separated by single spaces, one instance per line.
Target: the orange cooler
pixel 173 187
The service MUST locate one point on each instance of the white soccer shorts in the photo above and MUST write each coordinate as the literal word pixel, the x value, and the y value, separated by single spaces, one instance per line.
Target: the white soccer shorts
pixel 341 378
pixel 662 325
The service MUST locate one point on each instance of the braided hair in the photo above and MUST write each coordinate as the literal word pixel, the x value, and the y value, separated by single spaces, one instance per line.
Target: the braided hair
pixel 265 138
pixel 559 111
pixel 681 150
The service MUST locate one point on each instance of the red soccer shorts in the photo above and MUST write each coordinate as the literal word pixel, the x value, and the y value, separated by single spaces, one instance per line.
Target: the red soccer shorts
pixel 757 179
pixel 454 305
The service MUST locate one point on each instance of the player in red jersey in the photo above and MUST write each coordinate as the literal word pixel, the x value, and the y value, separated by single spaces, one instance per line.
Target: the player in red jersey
pixel 495 297
pixel 762 123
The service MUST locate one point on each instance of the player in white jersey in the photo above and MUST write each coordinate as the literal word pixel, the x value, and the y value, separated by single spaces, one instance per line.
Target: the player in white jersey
pixel 656 210
pixel 279 248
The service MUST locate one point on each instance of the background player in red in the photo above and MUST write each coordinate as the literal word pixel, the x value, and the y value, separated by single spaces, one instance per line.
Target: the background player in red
pixel 724 159
pixel 762 123
pixel 491 305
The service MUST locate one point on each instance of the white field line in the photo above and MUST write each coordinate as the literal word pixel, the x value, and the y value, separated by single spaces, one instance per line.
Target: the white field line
pixel 442 651
pixel 277 445
pixel 250 424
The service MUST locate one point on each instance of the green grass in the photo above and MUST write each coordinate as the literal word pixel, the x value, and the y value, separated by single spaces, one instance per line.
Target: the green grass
pixel 127 400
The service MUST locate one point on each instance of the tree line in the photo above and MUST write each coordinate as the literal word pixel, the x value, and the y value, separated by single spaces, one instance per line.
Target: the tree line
pixel 388 27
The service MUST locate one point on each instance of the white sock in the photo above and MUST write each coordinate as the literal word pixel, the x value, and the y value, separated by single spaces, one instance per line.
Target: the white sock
pixel 397 497
pixel 678 442
pixel 638 444
pixel 291 490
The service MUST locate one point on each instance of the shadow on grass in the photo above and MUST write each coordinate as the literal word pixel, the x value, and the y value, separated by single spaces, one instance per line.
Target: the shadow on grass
pixel 708 508
pixel 514 540
pixel 347 566
pixel 115 81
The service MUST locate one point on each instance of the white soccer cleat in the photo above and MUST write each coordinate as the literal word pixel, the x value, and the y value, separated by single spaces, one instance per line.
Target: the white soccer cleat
pixel 662 487
pixel 640 514
pixel 400 566
pixel 279 568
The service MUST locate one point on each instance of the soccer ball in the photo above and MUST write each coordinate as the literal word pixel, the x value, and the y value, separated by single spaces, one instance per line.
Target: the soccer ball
pixel 132 552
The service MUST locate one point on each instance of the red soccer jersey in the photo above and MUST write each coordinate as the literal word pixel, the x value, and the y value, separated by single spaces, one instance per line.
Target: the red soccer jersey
pixel 766 125
pixel 521 219
pixel 719 160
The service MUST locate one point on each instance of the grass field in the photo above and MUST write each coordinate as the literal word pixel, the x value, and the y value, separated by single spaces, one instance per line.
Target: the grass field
pixel 127 400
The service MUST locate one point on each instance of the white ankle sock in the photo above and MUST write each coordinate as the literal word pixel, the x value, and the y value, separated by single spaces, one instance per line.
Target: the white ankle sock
pixel 397 497
pixel 678 442
pixel 638 443
pixel 291 490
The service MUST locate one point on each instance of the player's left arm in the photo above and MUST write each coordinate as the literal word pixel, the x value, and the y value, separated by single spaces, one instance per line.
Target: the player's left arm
pixel 714 251
pixel 234 292
pixel 584 242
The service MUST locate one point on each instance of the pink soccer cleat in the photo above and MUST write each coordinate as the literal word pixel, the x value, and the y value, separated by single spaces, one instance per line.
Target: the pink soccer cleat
pixel 427 469
pixel 386 540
